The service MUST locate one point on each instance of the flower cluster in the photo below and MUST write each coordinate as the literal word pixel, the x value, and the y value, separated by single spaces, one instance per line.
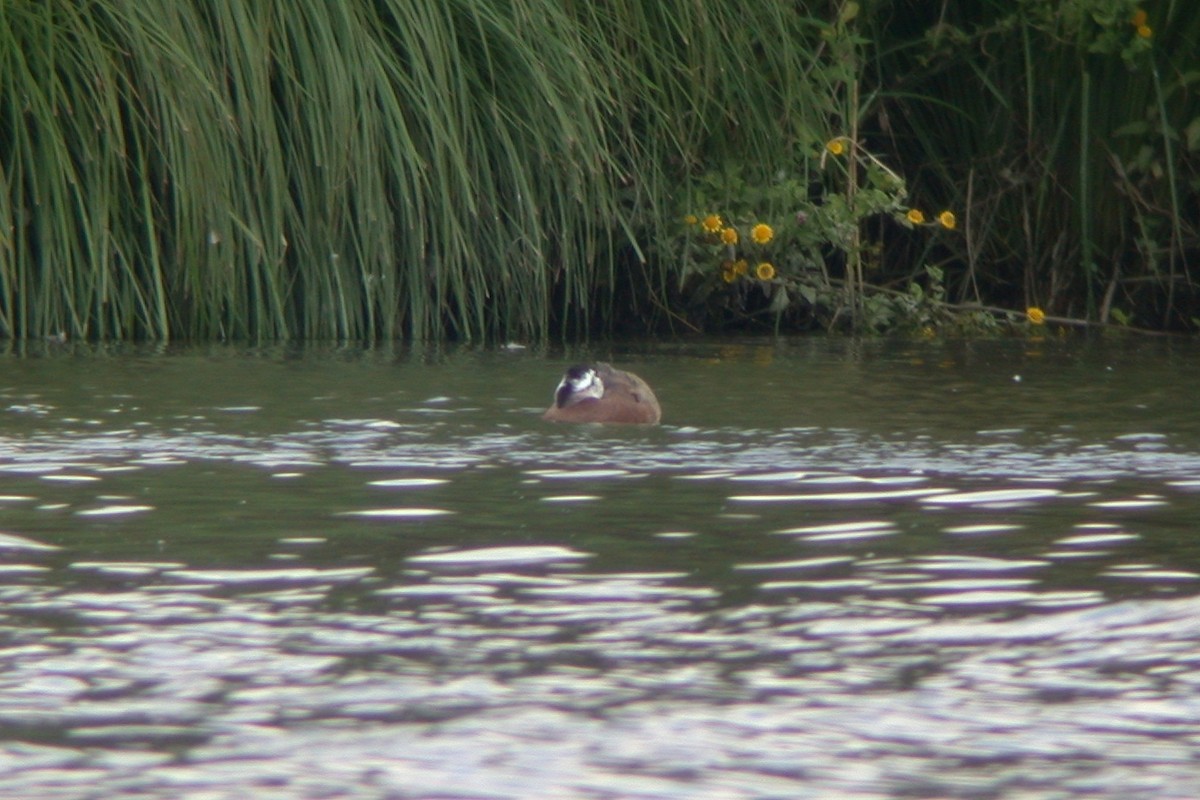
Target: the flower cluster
pixel 946 219
pixel 1138 21
pixel 745 266
pixel 837 146
pixel 717 232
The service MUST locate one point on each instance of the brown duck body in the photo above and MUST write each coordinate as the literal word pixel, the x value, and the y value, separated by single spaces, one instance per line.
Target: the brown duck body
pixel 599 393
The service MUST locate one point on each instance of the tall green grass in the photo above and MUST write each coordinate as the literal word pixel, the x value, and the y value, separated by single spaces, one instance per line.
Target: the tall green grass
pixel 271 169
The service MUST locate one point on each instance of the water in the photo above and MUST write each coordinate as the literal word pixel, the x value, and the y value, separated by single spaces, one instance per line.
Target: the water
pixel 839 569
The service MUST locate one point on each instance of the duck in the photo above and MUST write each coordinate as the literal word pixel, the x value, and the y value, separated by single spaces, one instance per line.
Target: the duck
pixel 600 392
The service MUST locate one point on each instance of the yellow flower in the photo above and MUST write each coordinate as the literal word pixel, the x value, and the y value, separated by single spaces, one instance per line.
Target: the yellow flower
pixel 712 223
pixel 1139 18
pixel 761 233
pixel 728 275
pixel 690 219
pixel 1035 315
pixel 740 267
pixel 915 216
pixel 947 220
pixel 765 271
pixel 1144 31
pixel 835 146
pixel 729 236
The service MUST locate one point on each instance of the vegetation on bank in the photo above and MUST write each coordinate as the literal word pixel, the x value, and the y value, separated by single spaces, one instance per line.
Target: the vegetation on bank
pixel 529 168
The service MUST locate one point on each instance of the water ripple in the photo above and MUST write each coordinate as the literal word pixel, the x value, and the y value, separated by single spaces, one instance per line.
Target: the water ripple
pixel 491 556
pixel 647 652
pixel 796 454
pixel 410 589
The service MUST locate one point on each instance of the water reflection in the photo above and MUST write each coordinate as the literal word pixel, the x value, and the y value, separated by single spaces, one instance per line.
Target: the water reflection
pixel 344 573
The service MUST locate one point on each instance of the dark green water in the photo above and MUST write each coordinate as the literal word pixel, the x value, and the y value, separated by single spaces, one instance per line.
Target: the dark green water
pixel 838 569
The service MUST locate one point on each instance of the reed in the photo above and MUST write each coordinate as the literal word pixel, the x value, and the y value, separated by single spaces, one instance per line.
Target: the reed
pixel 516 169
pixel 1070 154
pixel 402 168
